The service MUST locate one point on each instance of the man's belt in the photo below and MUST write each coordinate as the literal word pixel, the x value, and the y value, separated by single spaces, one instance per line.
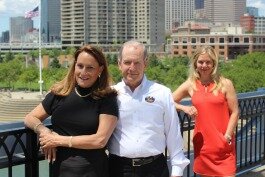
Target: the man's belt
pixel 136 162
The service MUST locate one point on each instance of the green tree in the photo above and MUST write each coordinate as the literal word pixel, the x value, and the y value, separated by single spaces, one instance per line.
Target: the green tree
pixel 55 63
pixel 9 56
pixel 115 73
pixel 153 60
pixel 10 71
pixel 29 75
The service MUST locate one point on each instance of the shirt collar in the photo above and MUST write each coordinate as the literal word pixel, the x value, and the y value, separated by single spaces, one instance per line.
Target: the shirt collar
pixel 142 85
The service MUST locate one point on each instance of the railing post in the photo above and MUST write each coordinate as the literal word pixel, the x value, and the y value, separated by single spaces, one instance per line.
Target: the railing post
pixel 32 161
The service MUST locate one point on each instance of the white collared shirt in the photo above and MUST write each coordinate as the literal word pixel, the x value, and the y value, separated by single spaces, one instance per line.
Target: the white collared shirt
pixel 148 123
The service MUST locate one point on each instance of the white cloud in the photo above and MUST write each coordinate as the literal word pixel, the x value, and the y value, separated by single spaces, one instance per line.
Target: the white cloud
pixel 16 7
pixel 260 4
pixel 2 6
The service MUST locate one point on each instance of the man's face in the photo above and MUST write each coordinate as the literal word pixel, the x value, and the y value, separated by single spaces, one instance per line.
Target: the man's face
pixel 132 65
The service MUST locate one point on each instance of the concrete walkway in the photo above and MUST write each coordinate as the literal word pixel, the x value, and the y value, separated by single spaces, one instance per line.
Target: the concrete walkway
pixel 23 95
pixel 256 172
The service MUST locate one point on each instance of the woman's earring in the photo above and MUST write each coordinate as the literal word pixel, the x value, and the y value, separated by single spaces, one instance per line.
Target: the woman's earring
pixel 99 76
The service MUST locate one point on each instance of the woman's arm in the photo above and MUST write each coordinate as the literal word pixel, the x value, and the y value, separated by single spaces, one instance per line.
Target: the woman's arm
pixel 184 91
pixel 233 108
pixel 33 120
pixel 98 140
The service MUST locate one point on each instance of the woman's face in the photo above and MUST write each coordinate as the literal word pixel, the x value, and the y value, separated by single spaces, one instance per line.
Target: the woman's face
pixel 87 70
pixel 204 65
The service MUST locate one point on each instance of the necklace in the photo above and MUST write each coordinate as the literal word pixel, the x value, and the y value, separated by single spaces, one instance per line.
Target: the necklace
pixel 80 94
pixel 206 84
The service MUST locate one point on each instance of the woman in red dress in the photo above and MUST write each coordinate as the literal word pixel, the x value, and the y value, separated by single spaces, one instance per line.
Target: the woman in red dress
pixel 215 111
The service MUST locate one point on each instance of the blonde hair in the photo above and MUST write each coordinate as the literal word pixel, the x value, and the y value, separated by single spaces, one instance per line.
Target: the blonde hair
pixel 99 89
pixel 194 74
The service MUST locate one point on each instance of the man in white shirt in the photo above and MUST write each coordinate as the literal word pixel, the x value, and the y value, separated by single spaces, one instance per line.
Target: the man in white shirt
pixel 148 122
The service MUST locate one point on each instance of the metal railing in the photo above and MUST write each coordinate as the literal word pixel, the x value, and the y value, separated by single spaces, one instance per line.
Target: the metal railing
pixel 20 146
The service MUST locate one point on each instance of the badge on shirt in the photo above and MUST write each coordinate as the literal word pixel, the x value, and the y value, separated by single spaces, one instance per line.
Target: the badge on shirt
pixel 149 99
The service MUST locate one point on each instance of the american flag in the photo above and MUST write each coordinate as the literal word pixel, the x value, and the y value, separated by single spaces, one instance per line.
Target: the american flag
pixel 33 13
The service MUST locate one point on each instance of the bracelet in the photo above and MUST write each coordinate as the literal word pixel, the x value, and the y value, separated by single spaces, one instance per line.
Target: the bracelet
pixel 70 142
pixel 36 127
pixel 229 137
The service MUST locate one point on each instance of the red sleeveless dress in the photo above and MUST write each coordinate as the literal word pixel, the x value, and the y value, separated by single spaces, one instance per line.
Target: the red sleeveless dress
pixel 213 156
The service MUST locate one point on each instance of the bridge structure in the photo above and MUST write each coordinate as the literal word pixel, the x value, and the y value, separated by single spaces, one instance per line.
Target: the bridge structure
pixel 20 150
pixel 26 47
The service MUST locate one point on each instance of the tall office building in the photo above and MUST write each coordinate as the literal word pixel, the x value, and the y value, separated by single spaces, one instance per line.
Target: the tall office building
pixel 259 26
pixel 19 26
pixel 50 21
pixel 199 4
pixel 112 21
pixel 254 11
pixel 177 12
pixel 5 37
pixel 223 11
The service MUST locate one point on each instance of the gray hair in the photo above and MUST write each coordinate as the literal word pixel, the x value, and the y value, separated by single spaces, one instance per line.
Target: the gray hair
pixel 132 43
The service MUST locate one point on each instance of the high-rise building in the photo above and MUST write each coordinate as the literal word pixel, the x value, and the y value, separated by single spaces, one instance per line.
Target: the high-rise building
pixel 220 11
pixel 248 23
pixel 112 22
pixel 5 37
pixel 177 12
pixel 260 26
pixel 19 26
pixel 50 21
pixel 199 4
pixel 254 11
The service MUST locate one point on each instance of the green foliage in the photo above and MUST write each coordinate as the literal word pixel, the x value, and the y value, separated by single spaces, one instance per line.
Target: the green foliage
pixel 115 73
pixel 112 59
pixel 246 72
pixel 54 53
pixel 70 51
pixel 29 76
pixel 8 56
pixel 55 63
pixel 10 72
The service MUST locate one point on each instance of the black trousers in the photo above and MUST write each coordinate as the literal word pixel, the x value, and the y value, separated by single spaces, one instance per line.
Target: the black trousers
pixel 122 168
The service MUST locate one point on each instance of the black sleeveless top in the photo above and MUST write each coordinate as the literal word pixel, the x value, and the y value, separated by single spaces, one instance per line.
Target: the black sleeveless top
pixel 73 115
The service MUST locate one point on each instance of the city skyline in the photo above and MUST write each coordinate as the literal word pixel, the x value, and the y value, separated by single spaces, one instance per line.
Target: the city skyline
pixel 19 7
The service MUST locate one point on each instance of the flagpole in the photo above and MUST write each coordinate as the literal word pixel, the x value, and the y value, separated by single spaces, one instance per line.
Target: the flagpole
pixel 40 59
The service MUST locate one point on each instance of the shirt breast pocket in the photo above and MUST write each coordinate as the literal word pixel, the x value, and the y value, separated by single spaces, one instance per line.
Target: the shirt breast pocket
pixel 151 112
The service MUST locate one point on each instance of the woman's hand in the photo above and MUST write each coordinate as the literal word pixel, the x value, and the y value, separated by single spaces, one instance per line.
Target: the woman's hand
pixel 49 153
pixel 49 140
pixel 191 111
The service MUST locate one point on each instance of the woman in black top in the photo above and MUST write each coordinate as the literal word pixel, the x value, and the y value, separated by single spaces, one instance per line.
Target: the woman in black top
pixel 84 111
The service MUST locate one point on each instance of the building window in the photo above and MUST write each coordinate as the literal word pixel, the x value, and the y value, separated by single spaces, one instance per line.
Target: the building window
pixel 221 47
pixel 236 39
pixel 193 40
pixel 246 40
pixel 202 40
pixel 221 40
pixel 211 40
pixel 221 53
pixel 184 47
pixel 184 40
pixel 230 40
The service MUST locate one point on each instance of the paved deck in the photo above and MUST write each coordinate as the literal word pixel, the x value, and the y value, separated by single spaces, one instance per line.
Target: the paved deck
pixel 256 172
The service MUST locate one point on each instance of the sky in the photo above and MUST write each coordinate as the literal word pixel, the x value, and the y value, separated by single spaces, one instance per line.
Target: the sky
pixel 14 8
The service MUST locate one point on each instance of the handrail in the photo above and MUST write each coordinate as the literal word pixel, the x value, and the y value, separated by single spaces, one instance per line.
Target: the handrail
pixel 20 145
